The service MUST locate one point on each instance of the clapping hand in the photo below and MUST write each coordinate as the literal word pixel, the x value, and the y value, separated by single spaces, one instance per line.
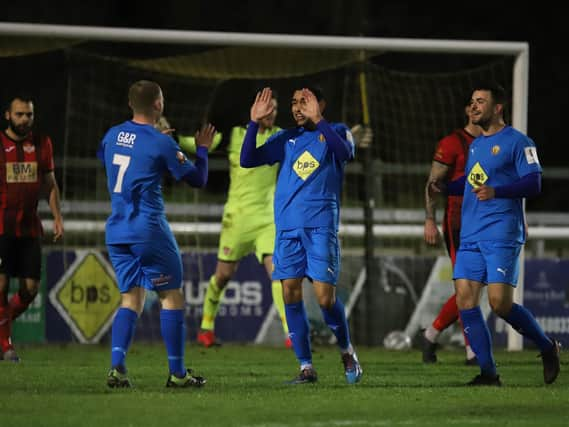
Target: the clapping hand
pixel 263 105
pixel 204 136
pixel 310 107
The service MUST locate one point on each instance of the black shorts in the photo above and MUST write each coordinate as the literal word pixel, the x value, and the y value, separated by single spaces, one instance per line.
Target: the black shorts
pixel 20 257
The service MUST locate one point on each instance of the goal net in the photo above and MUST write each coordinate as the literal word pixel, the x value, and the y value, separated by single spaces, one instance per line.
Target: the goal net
pixel 414 94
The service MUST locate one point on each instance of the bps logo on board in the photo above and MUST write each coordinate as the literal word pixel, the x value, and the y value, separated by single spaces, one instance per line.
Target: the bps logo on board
pixel 86 296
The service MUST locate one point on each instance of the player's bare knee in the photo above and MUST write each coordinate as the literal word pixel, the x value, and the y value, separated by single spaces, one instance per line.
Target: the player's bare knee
pixel 172 299
pixel 500 306
pixel 465 300
pixel 326 301
pixel 29 289
pixel 132 305
pixel 292 292
pixel 224 271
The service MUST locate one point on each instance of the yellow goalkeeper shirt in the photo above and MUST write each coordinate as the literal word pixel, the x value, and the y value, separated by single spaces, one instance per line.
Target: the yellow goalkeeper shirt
pixel 252 190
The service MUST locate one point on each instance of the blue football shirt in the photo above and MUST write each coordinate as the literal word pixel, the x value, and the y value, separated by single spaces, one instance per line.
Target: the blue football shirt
pixel 136 157
pixel 496 160
pixel 309 184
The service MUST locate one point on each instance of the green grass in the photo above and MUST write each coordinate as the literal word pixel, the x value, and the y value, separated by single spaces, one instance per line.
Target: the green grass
pixel 65 386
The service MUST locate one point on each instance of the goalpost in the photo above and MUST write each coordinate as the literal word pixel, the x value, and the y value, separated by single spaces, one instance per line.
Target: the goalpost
pixel 519 50
pixel 404 134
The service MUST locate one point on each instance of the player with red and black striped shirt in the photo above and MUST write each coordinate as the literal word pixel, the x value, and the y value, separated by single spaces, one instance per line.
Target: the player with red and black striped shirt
pixel 448 164
pixel 26 172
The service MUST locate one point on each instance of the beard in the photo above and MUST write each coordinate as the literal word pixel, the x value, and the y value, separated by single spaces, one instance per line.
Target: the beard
pixel 20 130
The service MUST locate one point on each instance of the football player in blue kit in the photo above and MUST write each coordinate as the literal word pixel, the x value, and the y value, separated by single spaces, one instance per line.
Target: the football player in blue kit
pixel 312 156
pixel 502 169
pixel 141 246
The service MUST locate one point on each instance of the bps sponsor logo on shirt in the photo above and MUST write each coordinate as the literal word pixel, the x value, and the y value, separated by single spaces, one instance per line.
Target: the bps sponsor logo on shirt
pixel 21 172
pixel 477 176
pixel 305 165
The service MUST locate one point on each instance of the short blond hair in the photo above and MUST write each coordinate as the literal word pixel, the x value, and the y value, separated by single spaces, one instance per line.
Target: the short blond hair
pixel 142 95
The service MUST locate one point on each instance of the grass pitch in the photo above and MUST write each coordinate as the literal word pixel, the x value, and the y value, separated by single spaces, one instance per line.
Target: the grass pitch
pixel 65 386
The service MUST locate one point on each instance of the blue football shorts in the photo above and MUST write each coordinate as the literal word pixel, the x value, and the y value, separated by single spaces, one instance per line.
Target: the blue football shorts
pixel 307 252
pixel 155 266
pixel 488 262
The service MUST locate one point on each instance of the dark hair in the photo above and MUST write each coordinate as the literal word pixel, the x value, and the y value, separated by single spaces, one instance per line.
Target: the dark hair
pixel 142 95
pixel 316 90
pixel 24 97
pixel 497 91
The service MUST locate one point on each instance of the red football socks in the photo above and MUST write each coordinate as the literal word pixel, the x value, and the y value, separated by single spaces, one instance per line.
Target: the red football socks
pixel 447 316
pixel 18 305
pixel 5 328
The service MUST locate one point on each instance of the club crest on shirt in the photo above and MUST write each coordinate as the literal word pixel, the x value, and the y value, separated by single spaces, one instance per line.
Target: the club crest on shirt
pixel 477 175
pixel 305 165
pixel 321 138
pixel 495 150
pixel 29 148
pixel 181 157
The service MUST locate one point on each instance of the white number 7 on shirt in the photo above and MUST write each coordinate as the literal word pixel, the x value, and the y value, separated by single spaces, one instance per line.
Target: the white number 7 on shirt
pixel 122 162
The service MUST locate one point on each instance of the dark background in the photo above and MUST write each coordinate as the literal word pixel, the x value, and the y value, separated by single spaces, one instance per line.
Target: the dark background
pixel 545 30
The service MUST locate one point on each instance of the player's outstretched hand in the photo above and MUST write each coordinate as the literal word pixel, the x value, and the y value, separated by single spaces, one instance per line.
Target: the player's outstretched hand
pixel 310 108
pixel 262 107
pixel 163 126
pixel 204 136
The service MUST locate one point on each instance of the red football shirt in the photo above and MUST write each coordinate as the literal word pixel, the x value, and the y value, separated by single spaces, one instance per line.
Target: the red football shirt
pixel 23 165
pixel 452 151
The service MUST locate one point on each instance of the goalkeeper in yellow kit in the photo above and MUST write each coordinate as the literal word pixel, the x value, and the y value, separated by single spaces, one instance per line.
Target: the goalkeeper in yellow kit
pixel 247 225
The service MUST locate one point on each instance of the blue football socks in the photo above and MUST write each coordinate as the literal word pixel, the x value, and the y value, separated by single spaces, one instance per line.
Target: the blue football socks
pixel 335 318
pixel 124 325
pixel 524 322
pixel 173 329
pixel 476 330
pixel 299 331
